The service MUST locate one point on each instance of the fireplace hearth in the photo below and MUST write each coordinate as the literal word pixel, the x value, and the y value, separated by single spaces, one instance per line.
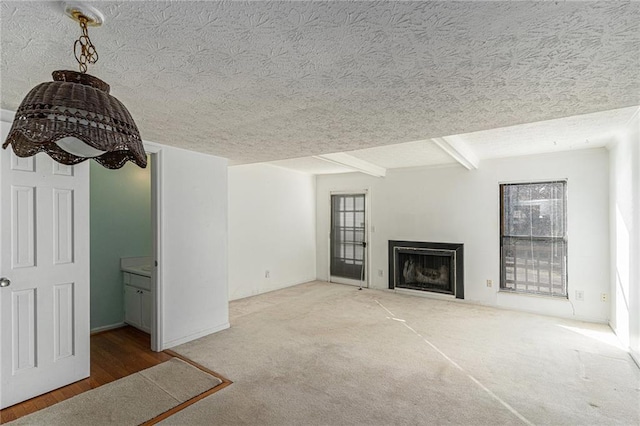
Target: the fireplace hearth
pixel 427 266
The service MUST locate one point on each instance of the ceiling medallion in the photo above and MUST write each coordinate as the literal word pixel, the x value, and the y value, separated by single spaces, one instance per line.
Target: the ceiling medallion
pixel 74 118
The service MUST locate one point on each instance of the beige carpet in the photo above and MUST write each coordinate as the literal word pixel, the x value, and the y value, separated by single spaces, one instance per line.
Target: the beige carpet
pixel 131 400
pixel 328 354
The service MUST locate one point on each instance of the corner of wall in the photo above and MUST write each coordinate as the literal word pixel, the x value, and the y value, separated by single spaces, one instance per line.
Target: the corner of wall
pixel 272 242
pixel 624 226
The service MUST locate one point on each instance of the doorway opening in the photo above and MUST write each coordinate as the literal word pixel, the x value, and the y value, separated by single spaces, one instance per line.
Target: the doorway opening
pixel 348 239
pixel 124 245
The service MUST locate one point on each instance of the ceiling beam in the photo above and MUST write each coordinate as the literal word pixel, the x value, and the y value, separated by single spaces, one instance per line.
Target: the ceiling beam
pixel 354 163
pixel 459 150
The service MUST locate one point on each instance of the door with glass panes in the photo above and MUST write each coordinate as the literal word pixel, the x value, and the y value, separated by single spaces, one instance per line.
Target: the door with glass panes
pixel 348 239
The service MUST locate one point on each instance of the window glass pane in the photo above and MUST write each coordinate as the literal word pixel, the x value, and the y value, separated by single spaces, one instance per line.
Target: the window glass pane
pixel 359 252
pixel 360 202
pixel 517 211
pixel 534 209
pixel 547 217
pixel 348 203
pixel 349 219
pixel 360 219
pixel 534 266
pixel 348 235
pixel 557 210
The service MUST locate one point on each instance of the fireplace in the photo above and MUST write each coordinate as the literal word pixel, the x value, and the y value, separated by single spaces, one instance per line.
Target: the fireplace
pixel 426 266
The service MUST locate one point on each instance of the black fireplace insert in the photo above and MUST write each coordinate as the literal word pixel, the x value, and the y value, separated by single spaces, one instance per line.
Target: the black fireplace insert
pixel 426 266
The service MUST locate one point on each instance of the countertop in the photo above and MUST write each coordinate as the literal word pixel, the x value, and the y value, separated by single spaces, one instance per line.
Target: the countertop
pixel 137 265
pixel 144 270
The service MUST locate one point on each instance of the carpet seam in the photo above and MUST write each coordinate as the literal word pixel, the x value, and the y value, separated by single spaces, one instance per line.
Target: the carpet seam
pixel 160 387
pixel 462 370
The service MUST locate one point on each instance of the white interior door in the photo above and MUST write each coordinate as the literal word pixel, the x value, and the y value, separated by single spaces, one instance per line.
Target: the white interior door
pixel 44 247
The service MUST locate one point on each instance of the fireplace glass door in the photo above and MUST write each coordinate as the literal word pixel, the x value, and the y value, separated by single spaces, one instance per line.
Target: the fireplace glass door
pixel 348 239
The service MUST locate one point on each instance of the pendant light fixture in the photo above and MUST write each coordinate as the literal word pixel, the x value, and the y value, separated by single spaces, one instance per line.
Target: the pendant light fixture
pixel 74 118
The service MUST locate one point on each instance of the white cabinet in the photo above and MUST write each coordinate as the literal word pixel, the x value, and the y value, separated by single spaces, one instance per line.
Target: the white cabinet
pixel 145 310
pixel 137 301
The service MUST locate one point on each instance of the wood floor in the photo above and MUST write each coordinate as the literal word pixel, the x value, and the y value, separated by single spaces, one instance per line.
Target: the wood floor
pixel 114 355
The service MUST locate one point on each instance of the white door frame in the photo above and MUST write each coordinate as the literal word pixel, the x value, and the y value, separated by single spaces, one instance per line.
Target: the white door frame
pixel 157 307
pixel 155 164
pixel 367 251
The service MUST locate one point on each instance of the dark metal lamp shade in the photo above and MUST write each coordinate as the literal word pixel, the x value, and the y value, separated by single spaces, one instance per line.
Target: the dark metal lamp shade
pixel 76 106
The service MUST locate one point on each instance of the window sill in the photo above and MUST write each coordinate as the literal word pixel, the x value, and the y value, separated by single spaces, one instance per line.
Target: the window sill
pixel 538 296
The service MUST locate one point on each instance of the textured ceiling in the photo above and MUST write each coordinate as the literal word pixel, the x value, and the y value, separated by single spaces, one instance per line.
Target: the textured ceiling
pixel 578 132
pixel 585 131
pixel 273 80
pixel 409 154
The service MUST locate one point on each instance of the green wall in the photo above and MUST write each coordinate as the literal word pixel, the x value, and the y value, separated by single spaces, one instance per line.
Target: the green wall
pixel 120 227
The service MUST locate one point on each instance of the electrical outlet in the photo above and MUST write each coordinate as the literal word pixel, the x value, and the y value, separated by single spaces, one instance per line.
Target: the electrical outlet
pixel 604 297
pixel 380 273
pixel 579 295
pixel 266 273
pixel 489 283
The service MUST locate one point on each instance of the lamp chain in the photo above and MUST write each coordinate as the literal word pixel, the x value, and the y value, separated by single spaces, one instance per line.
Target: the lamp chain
pixel 84 50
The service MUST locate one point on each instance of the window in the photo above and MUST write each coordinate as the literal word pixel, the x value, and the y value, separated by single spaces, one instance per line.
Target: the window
pixel 533 238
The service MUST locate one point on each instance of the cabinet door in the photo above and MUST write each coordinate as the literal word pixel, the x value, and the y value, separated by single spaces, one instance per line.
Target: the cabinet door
pixel 145 310
pixel 132 308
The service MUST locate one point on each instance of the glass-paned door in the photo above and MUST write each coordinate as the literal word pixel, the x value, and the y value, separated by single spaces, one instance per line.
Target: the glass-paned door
pixel 348 238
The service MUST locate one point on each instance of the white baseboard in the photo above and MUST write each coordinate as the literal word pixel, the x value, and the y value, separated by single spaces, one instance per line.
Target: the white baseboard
pixel 449 298
pixel 107 327
pixel 270 289
pixel 175 342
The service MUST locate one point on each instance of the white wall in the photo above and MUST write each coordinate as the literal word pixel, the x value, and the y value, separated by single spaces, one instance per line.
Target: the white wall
pixel 271 227
pixel 455 205
pixel 625 236
pixel 193 258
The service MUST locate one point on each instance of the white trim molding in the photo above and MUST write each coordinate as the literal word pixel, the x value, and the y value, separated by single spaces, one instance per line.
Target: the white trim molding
pixel 173 343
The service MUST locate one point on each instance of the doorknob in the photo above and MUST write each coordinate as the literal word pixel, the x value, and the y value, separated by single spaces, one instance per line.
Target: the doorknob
pixel 5 282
